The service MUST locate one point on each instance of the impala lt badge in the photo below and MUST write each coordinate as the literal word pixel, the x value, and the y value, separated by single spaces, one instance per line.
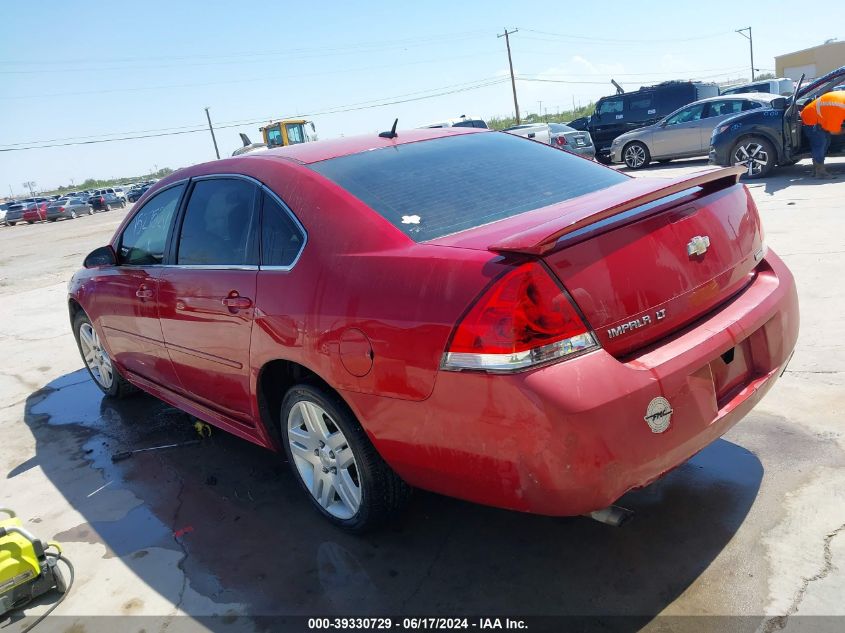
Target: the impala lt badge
pixel 658 414
pixel 698 245
pixel 637 323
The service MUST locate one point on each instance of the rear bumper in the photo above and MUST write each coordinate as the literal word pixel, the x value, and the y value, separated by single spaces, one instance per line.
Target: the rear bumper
pixel 571 437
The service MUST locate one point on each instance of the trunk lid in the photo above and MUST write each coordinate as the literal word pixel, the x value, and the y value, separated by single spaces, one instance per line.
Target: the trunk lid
pixel 646 258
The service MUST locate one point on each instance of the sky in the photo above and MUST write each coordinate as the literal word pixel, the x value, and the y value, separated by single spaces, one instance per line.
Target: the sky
pixel 73 72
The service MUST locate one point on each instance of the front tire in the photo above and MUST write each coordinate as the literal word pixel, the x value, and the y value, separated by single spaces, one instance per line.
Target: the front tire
pixel 97 361
pixel 636 155
pixel 342 474
pixel 756 154
pixel 604 159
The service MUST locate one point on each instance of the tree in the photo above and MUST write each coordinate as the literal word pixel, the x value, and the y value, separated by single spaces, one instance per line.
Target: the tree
pixel 764 76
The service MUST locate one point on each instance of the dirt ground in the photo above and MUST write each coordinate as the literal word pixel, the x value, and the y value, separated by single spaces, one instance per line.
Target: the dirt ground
pixel 752 526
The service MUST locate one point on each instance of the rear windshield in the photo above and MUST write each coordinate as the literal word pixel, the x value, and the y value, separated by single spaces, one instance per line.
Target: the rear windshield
pixel 434 188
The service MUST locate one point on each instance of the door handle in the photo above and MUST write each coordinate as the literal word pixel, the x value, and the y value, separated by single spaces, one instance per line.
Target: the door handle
pixel 144 293
pixel 236 302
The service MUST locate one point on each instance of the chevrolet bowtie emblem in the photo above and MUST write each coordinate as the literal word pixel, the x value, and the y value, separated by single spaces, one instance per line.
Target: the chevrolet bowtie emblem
pixel 698 245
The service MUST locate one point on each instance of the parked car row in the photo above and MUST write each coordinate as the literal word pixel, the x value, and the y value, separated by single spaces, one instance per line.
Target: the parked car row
pixel 753 125
pixel 49 210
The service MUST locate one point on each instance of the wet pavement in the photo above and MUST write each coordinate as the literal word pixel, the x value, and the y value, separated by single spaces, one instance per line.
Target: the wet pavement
pixel 222 528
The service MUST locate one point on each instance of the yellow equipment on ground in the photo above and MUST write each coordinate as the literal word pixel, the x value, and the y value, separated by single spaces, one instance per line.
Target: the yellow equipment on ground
pixel 27 569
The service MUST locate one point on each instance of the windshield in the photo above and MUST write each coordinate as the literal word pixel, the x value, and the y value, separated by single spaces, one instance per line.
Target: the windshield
pixel 434 188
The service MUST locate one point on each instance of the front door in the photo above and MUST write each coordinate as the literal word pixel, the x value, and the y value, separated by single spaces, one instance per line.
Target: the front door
pixel 207 294
pixel 125 304
pixel 681 133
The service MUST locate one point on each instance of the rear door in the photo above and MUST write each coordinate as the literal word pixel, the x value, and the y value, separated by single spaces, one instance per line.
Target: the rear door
pixel 207 293
pixel 681 134
pixel 125 304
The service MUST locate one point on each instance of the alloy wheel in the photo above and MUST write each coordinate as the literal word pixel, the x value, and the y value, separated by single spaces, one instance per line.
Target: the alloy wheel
pixel 753 156
pixel 324 460
pixel 95 356
pixel 73 215
pixel 634 156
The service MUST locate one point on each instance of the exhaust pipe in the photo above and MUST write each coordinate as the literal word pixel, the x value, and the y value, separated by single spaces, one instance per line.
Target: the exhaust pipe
pixel 612 515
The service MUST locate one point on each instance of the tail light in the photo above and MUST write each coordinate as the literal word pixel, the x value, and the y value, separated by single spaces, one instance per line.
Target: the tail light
pixel 524 319
pixel 61 208
pixel 560 140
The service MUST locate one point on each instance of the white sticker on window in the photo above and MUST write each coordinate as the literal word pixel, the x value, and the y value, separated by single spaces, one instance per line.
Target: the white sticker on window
pixel 619 116
pixel 410 219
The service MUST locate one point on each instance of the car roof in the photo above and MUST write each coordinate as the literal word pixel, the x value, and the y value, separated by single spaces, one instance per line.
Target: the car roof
pixel 314 152
pixel 759 96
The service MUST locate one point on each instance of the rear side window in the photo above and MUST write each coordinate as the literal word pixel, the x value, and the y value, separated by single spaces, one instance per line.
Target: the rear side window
pixel 219 226
pixel 751 105
pixel 433 188
pixel 641 102
pixel 281 238
pixel 143 239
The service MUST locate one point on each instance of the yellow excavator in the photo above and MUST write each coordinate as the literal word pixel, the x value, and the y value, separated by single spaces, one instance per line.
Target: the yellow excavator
pixel 279 134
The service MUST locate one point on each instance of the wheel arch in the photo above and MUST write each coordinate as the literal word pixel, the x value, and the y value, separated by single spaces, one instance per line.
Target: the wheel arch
pixel 274 380
pixel 764 133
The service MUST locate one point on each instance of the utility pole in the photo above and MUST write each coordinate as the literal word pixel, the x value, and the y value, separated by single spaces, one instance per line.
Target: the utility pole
pixel 211 129
pixel 540 110
pixel 750 46
pixel 510 63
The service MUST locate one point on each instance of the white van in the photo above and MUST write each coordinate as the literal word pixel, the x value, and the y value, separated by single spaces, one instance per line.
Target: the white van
pixel 782 86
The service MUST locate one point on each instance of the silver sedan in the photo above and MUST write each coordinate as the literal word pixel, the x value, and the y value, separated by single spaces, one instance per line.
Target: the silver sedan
pixel 67 208
pixel 685 133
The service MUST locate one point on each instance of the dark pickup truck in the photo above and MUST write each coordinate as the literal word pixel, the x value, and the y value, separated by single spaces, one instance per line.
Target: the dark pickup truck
pixel 761 139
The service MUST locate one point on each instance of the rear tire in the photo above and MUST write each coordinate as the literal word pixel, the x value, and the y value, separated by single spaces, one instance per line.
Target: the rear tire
pixel 756 151
pixel 636 155
pixel 104 374
pixel 354 489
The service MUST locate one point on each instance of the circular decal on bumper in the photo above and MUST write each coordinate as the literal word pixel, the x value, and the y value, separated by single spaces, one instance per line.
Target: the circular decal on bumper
pixel 658 414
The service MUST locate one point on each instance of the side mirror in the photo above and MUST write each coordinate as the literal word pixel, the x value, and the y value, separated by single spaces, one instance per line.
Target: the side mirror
pixel 779 103
pixel 103 256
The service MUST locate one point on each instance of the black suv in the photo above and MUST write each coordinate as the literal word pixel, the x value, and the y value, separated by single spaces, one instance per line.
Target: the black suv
pixel 761 139
pixel 631 110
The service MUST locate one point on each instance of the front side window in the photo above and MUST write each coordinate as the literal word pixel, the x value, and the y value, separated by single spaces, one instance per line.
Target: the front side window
pixel 219 224
pixel 611 106
pixel 274 136
pixel 692 113
pixel 281 238
pixel 295 134
pixel 143 240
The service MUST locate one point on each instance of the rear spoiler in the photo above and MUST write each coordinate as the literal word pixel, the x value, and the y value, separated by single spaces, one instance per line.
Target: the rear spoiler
pixel 540 239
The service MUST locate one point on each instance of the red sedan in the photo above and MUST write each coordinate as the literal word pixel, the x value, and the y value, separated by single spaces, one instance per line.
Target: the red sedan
pixel 459 310
pixel 35 212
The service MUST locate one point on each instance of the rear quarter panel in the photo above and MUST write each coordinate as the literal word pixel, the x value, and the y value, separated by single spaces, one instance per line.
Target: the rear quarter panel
pixel 358 273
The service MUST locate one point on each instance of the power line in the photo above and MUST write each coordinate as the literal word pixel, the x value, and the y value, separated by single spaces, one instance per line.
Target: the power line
pixel 584 38
pixel 262 79
pixel 336 110
pixel 251 120
pixel 362 47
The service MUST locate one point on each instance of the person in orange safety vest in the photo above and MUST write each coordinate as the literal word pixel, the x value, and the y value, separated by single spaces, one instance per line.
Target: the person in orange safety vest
pixel 822 117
